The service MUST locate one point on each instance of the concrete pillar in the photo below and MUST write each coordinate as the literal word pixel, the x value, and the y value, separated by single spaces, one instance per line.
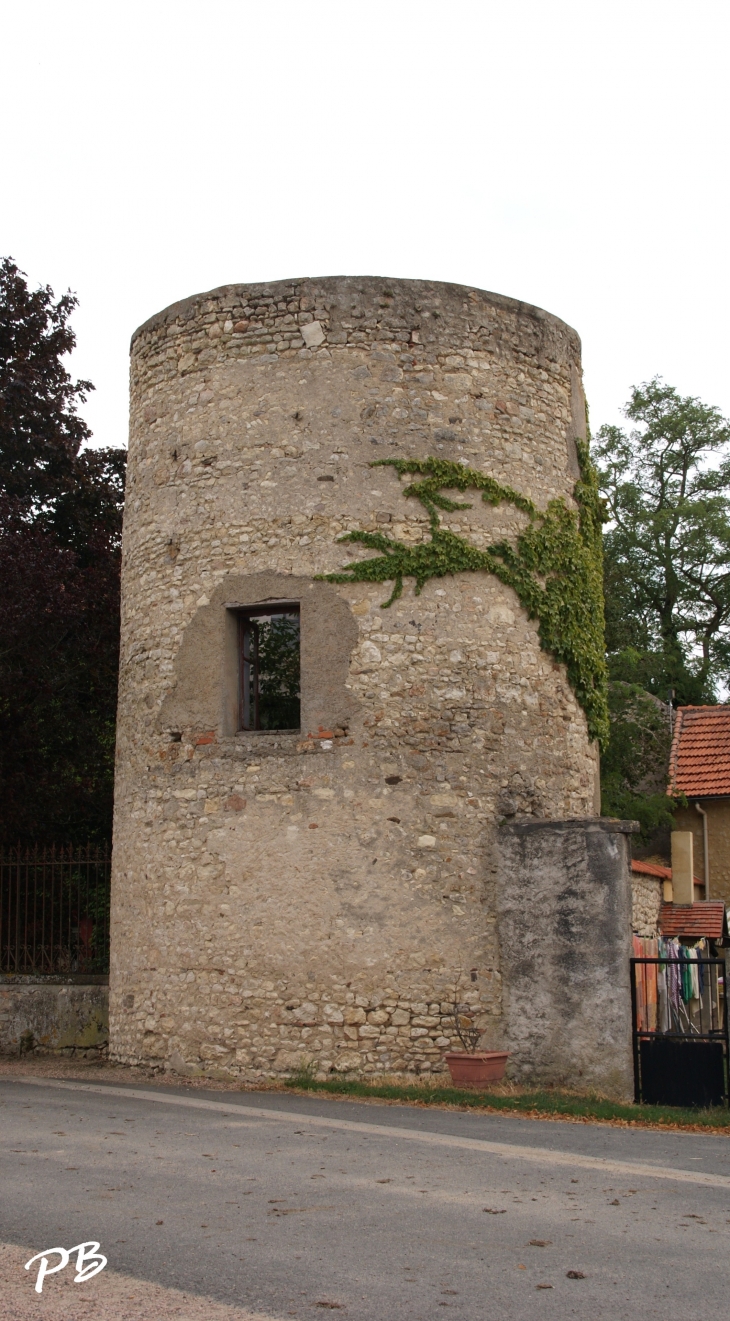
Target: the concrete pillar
pixel 564 906
pixel 682 867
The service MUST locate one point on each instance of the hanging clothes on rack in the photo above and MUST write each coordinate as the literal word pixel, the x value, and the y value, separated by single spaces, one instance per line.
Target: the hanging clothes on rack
pixel 669 949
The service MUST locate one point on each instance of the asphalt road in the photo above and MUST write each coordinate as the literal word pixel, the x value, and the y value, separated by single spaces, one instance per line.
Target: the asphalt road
pixel 290 1205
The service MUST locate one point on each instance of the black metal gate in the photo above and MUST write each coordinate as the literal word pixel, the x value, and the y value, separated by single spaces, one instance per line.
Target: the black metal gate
pixel 54 911
pixel 680 1031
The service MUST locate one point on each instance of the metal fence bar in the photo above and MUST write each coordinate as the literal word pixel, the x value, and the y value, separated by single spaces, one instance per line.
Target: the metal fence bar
pixel 635 1035
pixel 54 910
pixel 35 904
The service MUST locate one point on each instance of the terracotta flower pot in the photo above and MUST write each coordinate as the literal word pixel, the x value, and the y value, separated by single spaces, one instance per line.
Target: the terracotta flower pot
pixel 476 1070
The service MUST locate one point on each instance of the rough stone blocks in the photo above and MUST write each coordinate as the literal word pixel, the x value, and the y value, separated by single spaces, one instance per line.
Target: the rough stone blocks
pixel 287 898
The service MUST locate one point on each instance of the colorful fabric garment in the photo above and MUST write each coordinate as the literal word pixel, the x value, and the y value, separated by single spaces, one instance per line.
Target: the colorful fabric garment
pixel 647 989
pixel 702 953
pixel 695 974
pixel 685 974
pixel 670 949
pixel 638 947
pixel 663 1015
pixel 651 951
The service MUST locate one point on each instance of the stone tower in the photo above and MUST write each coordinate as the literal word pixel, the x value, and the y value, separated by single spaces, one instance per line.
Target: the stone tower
pixel 312 889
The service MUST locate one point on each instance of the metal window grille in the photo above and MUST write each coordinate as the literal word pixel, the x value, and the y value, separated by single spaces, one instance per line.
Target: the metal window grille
pixel 54 911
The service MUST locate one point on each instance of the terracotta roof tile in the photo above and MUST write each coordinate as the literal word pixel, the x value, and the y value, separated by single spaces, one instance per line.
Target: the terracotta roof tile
pixel 705 918
pixel 651 869
pixel 699 763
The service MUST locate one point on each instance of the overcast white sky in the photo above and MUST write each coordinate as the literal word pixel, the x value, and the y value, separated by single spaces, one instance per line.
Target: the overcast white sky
pixel 571 154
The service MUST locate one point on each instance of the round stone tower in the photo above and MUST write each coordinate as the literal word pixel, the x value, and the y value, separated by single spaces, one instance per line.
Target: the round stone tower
pixel 305 856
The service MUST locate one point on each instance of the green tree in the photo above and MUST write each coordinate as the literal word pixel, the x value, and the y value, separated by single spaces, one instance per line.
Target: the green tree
pixel 667 548
pixel 60 536
pixel 634 764
pixel 279 672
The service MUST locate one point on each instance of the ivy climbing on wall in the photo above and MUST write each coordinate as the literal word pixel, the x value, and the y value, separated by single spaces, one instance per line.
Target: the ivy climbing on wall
pixel 555 565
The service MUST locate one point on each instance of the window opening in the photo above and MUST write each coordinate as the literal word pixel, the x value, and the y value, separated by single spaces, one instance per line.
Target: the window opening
pixel 270 667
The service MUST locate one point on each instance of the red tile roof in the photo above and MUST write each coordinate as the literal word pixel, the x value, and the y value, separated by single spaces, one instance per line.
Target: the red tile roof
pixel 653 869
pixel 705 918
pixel 699 763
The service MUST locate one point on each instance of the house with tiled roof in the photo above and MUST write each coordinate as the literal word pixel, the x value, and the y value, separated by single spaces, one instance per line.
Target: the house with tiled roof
pixel 654 911
pixel 699 771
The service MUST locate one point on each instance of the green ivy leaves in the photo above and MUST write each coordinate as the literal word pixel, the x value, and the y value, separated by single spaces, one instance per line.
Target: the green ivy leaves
pixel 555 567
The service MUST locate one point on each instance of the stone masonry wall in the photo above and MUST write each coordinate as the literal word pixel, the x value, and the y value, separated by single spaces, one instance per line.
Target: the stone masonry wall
pixel 646 902
pixel 281 898
pixel 54 1017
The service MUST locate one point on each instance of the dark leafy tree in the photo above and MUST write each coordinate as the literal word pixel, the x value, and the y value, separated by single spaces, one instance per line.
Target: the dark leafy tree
pixel 41 432
pixel 634 765
pixel 60 535
pixel 279 672
pixel 667 548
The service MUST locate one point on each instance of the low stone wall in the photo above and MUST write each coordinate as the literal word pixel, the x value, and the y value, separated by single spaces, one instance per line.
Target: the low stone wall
pixel 564 902
pixel 53 1016
pixel 646 902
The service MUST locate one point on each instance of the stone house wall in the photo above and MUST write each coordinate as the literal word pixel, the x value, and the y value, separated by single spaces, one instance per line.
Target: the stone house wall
pixel 718 831
pixel 281 898
pixel 646 896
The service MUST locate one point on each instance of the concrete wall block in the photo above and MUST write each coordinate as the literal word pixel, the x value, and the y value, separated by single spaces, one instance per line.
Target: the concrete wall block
pixel 564 903
pixel 682 866
pixel 52 1016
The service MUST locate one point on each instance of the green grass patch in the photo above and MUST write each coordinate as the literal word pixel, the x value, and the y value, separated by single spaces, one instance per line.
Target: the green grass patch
pixel 535 1104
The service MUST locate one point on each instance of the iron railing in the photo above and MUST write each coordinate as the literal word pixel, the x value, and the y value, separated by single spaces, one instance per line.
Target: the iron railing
pixel 54 911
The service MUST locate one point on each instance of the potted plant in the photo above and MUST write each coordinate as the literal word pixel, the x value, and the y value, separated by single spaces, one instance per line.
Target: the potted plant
pixel 472 1067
